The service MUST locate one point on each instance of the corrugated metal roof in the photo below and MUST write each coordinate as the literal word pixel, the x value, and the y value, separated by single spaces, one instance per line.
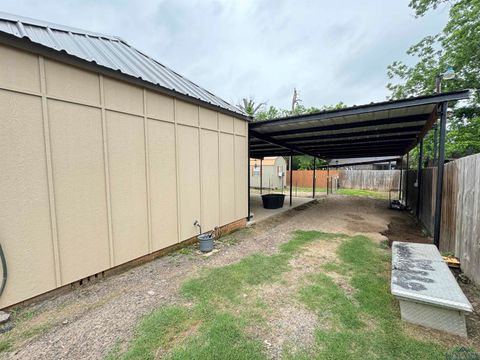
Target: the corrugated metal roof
pixel 108 51
pixel 389 128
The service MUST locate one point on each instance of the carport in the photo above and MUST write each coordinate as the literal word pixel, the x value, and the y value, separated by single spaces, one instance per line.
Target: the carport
pixel 390 128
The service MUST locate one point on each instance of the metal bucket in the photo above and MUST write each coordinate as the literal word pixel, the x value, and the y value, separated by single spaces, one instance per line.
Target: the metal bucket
pixel 206 242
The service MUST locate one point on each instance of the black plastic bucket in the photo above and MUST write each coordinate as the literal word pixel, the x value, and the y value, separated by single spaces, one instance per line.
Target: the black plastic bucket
pixel 206 242
pixel 273 201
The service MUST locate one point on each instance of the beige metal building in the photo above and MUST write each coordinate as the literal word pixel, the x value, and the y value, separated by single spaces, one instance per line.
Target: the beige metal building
pixel 106 156
pixel 271 171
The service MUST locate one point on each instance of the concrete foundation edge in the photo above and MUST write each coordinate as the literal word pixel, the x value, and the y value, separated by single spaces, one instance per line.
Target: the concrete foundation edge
pixel 223 230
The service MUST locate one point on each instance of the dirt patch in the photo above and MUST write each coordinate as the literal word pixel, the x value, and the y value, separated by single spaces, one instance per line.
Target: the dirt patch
pixel 289 324
pixel 355 217
pixel 364 227
pixel 405 228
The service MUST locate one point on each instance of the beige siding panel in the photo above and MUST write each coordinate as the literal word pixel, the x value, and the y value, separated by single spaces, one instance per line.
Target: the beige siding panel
pixel 210 198
pixel 240 177
pixel 227 179
pixel 79 181
pixel 186 113
pixel 240 127
pixel 19 70
pixel 160 107
pixel 225 123
pixel 126 156
pixel 123 97
pixel 189 180
pixel 208 119
pixel 71 83
pixel 25 232
pixel 163 183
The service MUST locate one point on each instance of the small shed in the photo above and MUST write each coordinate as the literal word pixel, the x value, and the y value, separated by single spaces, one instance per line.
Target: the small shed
pixel 270 171
pixel 108 156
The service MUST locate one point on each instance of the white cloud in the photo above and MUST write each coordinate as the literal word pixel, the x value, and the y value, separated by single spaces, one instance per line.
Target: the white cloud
pixel 335 51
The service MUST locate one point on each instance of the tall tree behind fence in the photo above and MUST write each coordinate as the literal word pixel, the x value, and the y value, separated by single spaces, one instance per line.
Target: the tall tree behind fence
pixel 460 223
pixel 376 180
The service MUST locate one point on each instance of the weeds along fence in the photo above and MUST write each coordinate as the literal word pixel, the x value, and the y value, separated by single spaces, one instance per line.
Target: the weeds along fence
pixel 460 222
pixel 375 180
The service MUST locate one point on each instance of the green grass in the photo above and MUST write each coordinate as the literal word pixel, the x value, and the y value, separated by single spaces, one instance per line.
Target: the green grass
pixel 5 345
pixel 364 193
pixel 206 330
pixel 363 324
pixel 348 192
pixel 367 326
pixel 222 337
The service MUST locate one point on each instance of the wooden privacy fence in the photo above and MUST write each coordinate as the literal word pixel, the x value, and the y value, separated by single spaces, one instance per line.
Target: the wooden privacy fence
pixel 460 223
pixel 376 180
pixel 304 178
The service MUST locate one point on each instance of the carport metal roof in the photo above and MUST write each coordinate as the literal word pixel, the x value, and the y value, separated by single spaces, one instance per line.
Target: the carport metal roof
pixel 387 128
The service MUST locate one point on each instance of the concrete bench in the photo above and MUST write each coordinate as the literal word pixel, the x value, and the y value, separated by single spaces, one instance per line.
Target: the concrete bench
pixel 426 288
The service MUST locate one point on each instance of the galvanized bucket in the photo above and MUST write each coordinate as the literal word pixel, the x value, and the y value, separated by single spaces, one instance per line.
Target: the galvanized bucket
pixel 206 242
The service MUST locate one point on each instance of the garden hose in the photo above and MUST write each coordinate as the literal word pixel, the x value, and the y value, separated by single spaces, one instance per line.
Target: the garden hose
pixel 4 270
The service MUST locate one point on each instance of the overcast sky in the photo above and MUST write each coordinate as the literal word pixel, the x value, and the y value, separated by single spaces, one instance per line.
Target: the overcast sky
pixel 330 51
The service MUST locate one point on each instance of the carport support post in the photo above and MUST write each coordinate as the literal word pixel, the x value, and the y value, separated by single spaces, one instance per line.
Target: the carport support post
pixel 328 177
pixel 419 178
pixel 400 187
pixel 261 176
pixel 406 180
pixel 291 179
pixel 314 165
pixel 249 172
pixel 440 168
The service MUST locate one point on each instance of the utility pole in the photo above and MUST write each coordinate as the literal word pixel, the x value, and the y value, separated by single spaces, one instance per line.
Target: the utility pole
pixel 295 99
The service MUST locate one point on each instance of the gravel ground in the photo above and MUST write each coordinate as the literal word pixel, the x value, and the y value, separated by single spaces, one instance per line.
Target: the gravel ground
pixel 87 322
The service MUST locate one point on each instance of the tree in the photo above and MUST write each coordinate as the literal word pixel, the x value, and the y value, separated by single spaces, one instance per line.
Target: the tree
pixel 457 47
pixel 273 112
pixel 250 107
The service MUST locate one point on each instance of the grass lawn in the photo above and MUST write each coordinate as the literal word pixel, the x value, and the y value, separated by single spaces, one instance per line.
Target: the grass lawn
pixel 221 306
pixel 302 191
pixel 360 192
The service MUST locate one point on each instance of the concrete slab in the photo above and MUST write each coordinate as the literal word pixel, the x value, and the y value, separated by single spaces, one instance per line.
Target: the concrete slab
pixel 259 213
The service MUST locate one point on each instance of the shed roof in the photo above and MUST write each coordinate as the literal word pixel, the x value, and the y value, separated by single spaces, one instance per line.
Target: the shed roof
pixel 386 128
pixel 267 161
pixel 363 161
pixel 110 52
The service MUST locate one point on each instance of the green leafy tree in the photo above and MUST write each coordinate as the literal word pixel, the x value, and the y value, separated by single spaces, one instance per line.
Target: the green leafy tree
pixel 457 46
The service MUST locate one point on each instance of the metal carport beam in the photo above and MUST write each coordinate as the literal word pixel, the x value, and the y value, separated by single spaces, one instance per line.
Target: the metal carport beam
pixel 360 134
pixel 353 125
pixel 279 143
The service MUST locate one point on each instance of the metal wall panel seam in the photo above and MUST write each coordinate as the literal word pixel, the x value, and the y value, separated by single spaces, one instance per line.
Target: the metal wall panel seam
pixel 147 172
pixel 200 178
pixel 48 157
pixel 179 214
pixel 107 173
pixel 219 170
pixel 235 195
